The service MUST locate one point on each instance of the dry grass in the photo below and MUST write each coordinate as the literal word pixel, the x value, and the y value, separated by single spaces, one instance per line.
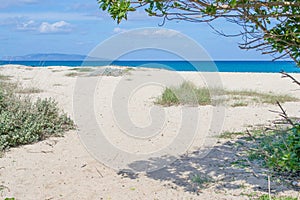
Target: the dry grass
pixel 73 74
pixel 82 69
pixel 30 90
pixel 187 93
pixel 5 78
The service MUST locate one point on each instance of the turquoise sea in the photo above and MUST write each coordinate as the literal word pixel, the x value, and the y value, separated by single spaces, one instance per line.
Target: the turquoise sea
pixel 204 66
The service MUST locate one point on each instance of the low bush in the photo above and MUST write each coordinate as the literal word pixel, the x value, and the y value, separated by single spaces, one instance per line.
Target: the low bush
pixel 280 146
pixel 280 149
pixel 23 121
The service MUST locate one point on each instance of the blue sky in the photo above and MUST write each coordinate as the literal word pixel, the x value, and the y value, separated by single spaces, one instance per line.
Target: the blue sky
pixel 77 26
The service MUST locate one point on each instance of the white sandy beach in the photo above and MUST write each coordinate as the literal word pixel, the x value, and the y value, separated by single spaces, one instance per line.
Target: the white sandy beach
pixel 64 168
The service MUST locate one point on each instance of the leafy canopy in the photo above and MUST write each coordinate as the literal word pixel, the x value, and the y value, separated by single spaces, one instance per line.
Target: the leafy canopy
pixel 272 27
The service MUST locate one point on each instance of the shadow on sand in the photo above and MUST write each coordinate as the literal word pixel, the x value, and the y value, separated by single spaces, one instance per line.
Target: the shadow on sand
pixel 226 167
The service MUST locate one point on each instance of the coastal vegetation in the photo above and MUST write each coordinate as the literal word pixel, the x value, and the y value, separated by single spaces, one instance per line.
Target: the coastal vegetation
pixel 105 71
pixel 29 90
pixel 4 78
pixel 189 94
pixel 82 69
pixel 73 74
pixel 24 121
pixel 278 149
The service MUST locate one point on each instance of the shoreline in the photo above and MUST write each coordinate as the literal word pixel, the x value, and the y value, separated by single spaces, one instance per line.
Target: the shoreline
pixel 137 67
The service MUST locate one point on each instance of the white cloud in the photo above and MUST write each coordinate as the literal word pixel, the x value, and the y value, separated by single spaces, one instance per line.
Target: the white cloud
pixel 119 30
pixel 155 33
pixel 50 16
pixel 57 27
pixel 41 27
pixel 27 26
pixel 8 3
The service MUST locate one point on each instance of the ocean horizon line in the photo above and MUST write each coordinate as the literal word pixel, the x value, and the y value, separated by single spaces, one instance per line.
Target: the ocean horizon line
pixel 202 66
pixel 135 60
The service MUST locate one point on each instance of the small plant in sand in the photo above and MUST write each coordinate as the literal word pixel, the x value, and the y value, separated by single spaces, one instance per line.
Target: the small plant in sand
pixel 267 197
pixel 23 121
pixel 73 74
pixel 253 96
pixel 110 71
pixel 82 69
pixel 230 135
pixel 188 93
pixel 57 85
pixel 30 90
pixel 239 104
pixel 201 180
pixel 4 78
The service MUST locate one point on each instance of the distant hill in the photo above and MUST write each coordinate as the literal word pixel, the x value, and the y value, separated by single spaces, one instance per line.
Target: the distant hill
pixel 46 57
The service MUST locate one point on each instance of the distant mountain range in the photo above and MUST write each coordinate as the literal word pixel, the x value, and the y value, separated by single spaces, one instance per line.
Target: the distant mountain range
pixel 47 57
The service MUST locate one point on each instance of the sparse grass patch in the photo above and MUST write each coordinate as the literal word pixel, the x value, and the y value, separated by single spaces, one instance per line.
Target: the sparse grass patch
pixel 82 69
pixel 201 180
pixel 57 70
pixel 230 135
pixel 73 74
pixel 109 71
pixel 258 97
pixel 57 84
pixel 240 163
pixel 30 90
pixel 239 104
pixel 29 68
pixel 188 93
pixel 128 70
pixel 266 197
pixel 250 195
pixel 4 78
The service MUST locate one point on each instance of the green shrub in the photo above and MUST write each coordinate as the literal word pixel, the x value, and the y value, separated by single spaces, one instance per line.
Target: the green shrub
pixel 280 149
pixel 283 150
pixel 23 121
pixel 168 98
